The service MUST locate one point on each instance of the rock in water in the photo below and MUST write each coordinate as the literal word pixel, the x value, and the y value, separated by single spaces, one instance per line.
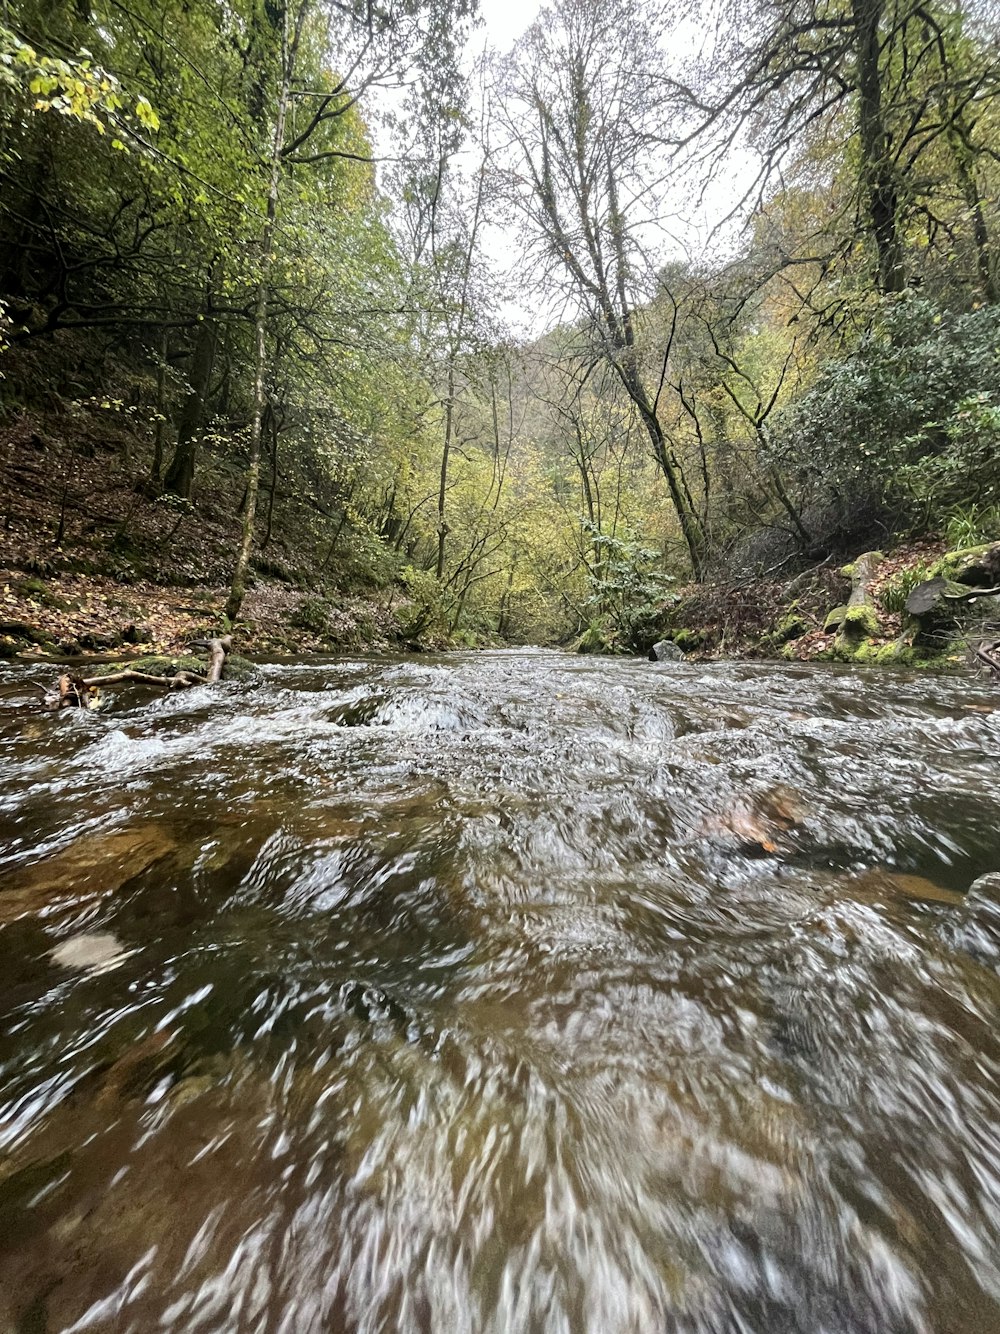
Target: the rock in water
pixel 666 651
pixel 96 952
pixel 91 867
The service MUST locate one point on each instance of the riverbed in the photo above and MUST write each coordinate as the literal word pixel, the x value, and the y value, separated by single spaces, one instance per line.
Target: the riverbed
pixel 503 992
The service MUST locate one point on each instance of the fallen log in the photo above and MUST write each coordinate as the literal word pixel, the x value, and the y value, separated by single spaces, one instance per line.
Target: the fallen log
pixel 83 691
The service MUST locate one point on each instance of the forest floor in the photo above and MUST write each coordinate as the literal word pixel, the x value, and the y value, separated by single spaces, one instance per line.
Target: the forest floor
pixel 90 562
pixel 790 619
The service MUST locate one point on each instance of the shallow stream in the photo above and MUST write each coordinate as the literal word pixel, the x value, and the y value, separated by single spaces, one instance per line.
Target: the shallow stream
pixel 503 992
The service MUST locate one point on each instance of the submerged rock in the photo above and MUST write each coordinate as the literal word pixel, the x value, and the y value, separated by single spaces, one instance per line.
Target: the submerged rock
pixel 95 952
pixel 90 868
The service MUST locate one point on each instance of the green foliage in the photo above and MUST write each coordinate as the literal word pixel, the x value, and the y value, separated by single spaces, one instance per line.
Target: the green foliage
pixel 312 614
pixel 893 593
pixel 594 640
pixel 970 525
pixel 910 417
pixel 76 88
pixel 628 587
pixel 424 612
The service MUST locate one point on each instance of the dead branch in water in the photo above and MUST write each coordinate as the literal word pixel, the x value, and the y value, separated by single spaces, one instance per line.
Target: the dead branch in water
pixel 79 691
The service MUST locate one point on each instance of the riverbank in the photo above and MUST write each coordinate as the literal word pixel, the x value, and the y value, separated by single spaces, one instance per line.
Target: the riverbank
pixel 95 560
pixel 868 611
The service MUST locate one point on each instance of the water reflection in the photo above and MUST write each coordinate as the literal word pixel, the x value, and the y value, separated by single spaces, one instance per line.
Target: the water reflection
pixel 507 992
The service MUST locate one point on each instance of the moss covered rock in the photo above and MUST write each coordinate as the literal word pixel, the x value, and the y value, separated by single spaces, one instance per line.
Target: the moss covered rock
pixel 974 567
pixel 791 626
pixel 860 622
pixel 235 669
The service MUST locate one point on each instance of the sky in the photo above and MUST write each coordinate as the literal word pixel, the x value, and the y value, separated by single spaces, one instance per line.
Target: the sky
pixel 505 20
pixel 686 234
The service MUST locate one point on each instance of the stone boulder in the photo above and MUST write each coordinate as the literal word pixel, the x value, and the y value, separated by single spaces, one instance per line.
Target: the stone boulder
pixel 666 651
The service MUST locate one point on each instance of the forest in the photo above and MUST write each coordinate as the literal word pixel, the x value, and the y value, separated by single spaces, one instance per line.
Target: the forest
pixel 329 324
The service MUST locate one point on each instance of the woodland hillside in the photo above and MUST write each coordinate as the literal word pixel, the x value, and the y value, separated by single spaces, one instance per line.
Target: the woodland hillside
pixel 317 327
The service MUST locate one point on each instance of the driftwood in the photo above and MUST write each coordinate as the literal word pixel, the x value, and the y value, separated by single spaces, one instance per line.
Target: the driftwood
pixel 80 691
pixel 987 653
pixel 972 594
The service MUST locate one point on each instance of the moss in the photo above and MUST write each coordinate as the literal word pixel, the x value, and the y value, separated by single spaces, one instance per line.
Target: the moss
pixel 834 619
pixel 238 669
pixel 970 565
pixel 860 622
pixel 866 652
pixel 791 626
pixel 688 640
pixel 312 614
pixel 155 665
pixel 593 640
pixel 32 587
pixel 871 558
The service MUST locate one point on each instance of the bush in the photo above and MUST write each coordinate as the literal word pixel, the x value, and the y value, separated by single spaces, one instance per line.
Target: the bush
pixel 424 613
pixel 628 588
pixel 910 418
pixel 313 615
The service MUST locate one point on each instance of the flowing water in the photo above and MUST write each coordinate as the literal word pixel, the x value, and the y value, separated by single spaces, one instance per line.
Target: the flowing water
pixel 503 992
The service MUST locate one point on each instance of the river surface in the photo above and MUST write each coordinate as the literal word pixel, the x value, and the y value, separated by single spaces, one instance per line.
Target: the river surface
pixel 503 992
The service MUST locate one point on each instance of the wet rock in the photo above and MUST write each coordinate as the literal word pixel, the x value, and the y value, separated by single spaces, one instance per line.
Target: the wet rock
pixel 238 669
pixel 92 867
pixel 136 634
pixel 975 928
pixel 98 643
pixel 92 952
pixel 666 651
pixel 898 884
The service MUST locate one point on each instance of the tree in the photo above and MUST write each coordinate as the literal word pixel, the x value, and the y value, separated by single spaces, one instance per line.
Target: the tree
pixel 371 46
pixel 583 100
pixel 873 88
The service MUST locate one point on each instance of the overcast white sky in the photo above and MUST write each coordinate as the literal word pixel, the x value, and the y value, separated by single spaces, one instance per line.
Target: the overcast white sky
pixel 502 22
pixel 505 20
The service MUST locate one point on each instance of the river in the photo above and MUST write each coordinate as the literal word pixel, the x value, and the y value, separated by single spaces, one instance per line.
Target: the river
pixel 503 992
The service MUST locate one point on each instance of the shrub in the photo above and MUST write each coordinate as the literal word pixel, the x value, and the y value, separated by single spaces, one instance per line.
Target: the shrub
pixel 312 614
pixel 910 418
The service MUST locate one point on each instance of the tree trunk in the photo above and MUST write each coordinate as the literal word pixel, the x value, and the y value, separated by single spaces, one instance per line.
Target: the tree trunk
pixel 180 474
pixel 449 417
pixel 156 467
pixel 691 530
pixel 237 589
pixel 877 172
